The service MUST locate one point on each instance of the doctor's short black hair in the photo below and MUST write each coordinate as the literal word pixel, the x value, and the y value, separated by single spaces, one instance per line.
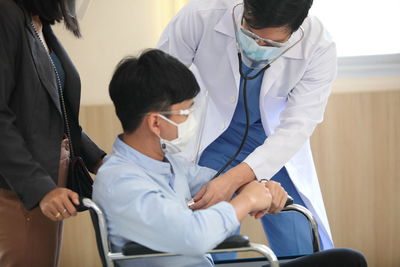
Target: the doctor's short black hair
pixel 151 82
pixel 261 14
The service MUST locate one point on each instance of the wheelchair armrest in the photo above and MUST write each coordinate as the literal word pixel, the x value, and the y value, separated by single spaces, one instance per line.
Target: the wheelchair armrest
pixel 237 241
pixel 133 248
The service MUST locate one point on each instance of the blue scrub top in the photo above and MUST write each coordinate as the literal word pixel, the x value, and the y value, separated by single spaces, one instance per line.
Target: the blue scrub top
pixel 221 150
pixel 288 234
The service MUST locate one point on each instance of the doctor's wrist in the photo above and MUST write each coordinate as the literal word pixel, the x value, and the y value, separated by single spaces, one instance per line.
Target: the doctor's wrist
pixel 241 174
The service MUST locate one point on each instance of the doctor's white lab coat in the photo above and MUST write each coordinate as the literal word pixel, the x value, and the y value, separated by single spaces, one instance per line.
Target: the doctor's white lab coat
pixel 293 96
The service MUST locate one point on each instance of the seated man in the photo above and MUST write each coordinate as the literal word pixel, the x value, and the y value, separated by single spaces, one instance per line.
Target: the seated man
pixel 144 190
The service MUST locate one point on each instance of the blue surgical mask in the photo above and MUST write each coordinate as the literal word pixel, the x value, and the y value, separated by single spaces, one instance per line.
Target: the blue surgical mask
pixel 254 55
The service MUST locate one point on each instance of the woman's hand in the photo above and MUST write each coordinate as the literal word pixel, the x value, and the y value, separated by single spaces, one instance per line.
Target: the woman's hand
pixel 58 204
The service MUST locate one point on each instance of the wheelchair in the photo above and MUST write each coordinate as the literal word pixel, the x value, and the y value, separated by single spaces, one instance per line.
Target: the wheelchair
pixel 238 243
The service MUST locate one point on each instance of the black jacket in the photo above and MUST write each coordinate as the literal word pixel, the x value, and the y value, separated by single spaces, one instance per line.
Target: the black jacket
pixel 31 122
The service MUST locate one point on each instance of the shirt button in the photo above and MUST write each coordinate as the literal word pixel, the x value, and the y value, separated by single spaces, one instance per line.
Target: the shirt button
pixel 233 99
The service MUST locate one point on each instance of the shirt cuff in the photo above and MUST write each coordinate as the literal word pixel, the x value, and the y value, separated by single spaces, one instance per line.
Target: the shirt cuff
pixel 34 191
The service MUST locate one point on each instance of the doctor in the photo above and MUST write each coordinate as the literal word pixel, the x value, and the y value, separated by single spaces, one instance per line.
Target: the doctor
pixel 268 68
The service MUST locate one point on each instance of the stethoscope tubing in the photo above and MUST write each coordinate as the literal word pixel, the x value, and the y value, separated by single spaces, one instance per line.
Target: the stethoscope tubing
pixel 246 108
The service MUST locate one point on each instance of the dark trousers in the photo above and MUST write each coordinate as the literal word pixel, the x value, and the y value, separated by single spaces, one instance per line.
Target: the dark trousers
pixel 337 257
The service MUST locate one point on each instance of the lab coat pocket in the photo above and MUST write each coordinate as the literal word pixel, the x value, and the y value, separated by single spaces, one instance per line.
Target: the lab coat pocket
pixel 274 105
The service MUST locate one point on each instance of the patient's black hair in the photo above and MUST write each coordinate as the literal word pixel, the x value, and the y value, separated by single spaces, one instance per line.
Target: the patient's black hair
pixel 151 82
pixel 261 14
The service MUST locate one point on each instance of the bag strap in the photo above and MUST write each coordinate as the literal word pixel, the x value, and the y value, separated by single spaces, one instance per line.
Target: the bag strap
pixel 61 93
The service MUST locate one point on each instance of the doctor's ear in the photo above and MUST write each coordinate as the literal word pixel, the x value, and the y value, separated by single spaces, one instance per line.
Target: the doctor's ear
pixel 153 123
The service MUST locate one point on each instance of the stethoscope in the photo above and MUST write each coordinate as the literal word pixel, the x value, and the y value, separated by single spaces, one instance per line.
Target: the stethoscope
pixel 245 80
pixel 246 109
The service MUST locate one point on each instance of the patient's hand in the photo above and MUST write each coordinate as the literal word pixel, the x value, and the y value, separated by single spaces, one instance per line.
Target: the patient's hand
pixel 279 196
pixel 259 195
pixel 253 198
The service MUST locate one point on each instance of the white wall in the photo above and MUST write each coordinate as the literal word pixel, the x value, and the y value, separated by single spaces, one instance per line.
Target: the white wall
pixel 112 30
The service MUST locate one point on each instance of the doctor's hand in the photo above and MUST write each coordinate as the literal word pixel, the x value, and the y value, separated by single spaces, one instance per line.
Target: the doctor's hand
pixel 279 196
pixel 223 187
pixel 217 190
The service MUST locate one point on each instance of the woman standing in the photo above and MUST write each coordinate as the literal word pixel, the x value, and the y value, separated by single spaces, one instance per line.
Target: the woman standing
pixel 35 71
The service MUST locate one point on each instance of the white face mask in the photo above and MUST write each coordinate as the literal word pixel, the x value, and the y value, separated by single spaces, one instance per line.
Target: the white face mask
pixel 186 130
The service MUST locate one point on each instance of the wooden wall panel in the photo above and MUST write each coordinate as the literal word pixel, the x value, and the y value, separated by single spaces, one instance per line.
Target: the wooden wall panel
pixel 357 154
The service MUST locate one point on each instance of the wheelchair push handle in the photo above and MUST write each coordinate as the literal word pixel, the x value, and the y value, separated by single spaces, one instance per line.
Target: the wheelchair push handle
pixel 289 201
pixel 81 207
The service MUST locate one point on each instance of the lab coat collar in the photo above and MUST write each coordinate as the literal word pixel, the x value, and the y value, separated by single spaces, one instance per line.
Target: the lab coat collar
pixel 271 75
pixel 296 52
pixel 225 26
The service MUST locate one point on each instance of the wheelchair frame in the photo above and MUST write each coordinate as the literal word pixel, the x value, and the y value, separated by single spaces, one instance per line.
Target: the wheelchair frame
pixel 133 250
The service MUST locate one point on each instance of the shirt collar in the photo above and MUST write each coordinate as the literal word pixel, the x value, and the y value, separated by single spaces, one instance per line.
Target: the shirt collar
pixel 132 155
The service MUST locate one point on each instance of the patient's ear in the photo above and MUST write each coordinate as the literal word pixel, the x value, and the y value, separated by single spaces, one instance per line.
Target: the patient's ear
pixel 153 123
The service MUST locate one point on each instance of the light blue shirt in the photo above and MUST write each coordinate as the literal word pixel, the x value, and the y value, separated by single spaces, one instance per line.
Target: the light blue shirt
pixel 145 200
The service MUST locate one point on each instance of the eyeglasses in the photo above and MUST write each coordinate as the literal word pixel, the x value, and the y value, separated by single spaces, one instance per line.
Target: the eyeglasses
pixel 262 41
pixel 286 46
pixel 185 112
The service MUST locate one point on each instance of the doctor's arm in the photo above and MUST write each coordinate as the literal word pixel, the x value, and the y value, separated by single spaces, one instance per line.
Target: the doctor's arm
pixel 224 186
pixel 305 109
pixel 200 176
pixel 182 35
